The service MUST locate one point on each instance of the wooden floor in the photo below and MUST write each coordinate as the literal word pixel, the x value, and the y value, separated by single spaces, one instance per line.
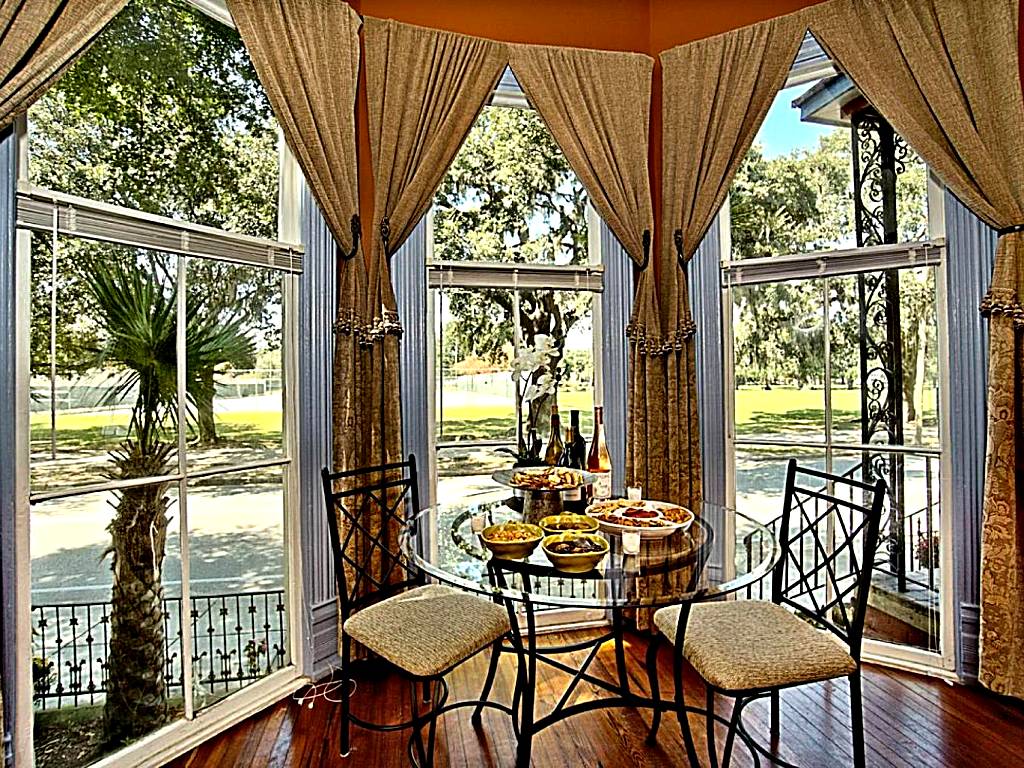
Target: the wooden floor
pixel 910 721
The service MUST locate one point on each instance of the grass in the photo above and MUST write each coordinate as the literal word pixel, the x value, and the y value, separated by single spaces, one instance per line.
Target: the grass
pixel 90 431
pixel 780 411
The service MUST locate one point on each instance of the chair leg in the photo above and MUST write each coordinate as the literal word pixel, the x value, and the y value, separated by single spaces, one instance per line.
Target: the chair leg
pixel 709 722
pixel 734 724
pixel 857 720
pixel 417 724
pixel 492 670
pixel 435 703
pixel 684 721
pixel 527 683
pixel 652 681
pixel 346 693
pixel 775 716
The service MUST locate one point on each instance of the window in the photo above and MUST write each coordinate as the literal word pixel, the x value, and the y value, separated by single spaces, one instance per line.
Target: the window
pixel 515 286
pixel 160 405
pixel 833 290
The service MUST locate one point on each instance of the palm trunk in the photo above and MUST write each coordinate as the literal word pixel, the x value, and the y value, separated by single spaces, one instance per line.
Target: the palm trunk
pixel 204 407
pixel 136 701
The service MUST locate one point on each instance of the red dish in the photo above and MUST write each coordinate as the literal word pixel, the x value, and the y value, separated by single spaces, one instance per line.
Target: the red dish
pixel 639 512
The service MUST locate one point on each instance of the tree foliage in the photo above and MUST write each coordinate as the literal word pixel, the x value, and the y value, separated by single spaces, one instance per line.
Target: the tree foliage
pixel 163 114
pixel 801 202
pixel 510 196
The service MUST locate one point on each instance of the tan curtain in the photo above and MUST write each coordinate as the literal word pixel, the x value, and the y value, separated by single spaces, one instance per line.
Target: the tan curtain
pixel 424 90
pixel 945 73
pixel 715 93
pixel 39 40
pixel 307 55
pixel 597 106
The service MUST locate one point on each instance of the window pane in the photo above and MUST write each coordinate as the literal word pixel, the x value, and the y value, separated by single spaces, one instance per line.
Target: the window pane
pixel 793 193
pixel 164 114
pixel 845 340
pixel 897 306
pixel 463 471
pixel 565 320
pixel 235 369
pixel 761 477
pixel 475 347
pixel 904 605
pixel 94 640
pixel 779 358
pixel 238 576
pixel 510 196
pixel 919 334
pixel 114 386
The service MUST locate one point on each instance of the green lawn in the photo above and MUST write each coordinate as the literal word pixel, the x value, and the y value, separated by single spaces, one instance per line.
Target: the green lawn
pixel 777 411
pixel 98 430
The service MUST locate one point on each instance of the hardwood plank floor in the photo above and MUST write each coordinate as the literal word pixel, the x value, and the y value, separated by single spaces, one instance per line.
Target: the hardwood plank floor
pixel 910 721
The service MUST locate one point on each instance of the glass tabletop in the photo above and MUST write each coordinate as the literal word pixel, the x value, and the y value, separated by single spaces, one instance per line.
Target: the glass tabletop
pixel 723 551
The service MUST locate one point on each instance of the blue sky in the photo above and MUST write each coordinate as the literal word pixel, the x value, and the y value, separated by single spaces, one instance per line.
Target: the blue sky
pixel 782 130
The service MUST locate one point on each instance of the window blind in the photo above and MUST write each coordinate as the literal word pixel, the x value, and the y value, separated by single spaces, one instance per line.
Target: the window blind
pixel 40 211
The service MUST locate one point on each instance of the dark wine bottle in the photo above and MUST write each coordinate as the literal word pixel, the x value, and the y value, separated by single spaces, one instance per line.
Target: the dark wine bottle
pixel 578 447
pixel 572 499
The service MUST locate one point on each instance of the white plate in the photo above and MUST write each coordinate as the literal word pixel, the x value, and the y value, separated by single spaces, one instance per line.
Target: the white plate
pixel 667 527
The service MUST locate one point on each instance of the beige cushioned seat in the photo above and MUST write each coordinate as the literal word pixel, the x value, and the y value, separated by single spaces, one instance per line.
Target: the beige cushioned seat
pixel 745 645
pixel 428 629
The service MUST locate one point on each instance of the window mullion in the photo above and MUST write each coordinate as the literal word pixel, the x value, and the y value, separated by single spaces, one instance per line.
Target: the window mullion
pixel 185 613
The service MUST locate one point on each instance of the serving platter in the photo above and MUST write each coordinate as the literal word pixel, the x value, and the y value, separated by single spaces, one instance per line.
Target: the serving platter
pixel 651 519
pixel 543 479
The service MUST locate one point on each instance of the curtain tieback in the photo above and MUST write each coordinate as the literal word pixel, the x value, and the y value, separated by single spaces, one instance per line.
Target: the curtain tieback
pixel 677 238
pixel 1010 230
pixel 385 235
pixel 355 238
pixel 645 241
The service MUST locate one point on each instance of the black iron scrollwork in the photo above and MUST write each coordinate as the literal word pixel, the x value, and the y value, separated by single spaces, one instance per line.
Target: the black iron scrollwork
pixel 356 229
pixel 879 157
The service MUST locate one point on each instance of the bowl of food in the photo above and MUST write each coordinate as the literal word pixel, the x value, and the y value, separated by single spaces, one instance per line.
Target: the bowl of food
pixel 575 552
pixel 512 540
pixel 568 522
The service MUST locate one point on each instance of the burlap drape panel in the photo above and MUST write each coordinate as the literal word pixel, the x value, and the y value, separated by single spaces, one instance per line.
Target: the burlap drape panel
pixel 945 73
pixel 716 93
pixel 39 40
pixel 597 106
pixel 306 53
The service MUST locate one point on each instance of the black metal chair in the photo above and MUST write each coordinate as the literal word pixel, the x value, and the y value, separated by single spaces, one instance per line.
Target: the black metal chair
pixel 424 630
pixel 812 629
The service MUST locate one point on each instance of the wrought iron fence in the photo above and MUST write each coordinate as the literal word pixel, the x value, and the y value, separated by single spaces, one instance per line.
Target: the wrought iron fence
pixel 237 638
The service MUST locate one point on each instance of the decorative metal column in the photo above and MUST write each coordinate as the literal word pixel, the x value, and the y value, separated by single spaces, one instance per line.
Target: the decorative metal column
pixel 879 156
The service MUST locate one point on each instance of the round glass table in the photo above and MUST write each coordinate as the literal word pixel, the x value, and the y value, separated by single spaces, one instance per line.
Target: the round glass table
pixel 723 552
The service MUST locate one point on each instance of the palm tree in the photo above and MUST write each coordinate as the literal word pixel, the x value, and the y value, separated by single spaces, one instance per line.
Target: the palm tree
pixel 136 312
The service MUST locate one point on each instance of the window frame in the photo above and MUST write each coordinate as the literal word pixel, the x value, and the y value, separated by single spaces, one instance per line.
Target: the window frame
pixel 284 255
pixel 832 263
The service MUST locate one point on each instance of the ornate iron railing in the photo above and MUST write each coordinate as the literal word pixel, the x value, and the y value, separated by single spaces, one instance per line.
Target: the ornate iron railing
pixel 237 638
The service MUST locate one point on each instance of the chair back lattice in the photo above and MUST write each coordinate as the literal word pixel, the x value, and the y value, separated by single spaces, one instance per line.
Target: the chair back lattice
pixel 828 536
pixel 368 511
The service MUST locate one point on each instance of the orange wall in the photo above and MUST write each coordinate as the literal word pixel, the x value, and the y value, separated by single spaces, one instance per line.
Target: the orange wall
pixel 649 26
pixel 609 24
